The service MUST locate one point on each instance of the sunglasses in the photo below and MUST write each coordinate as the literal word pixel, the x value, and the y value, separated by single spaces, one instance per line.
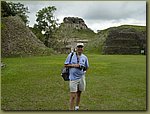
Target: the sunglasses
pixel 80 46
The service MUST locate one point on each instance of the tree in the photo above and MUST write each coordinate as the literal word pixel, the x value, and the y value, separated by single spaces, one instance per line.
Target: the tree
pixel 6 10
pixel 47 24
pixel 20 10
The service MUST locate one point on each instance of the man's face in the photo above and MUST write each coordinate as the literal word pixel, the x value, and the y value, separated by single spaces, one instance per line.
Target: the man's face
pixel 79 49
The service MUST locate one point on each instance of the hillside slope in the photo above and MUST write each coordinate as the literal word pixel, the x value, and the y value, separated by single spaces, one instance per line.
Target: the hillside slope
pixel 18 40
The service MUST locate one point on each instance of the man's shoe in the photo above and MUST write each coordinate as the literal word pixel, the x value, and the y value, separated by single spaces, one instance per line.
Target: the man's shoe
pixel 76 107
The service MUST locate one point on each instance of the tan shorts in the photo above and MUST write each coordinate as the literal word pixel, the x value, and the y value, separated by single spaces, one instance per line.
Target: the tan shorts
pixel 76 85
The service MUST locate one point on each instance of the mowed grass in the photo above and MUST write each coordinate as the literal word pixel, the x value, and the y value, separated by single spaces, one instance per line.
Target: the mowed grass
pixel 114 82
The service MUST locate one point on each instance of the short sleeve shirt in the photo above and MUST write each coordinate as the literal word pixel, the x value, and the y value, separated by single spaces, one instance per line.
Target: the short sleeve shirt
pixel 76 73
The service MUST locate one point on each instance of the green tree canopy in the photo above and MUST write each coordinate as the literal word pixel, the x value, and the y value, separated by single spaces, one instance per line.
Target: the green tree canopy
pixel 47 23
pixel 6 10
pixel 45 19
pixel 20 10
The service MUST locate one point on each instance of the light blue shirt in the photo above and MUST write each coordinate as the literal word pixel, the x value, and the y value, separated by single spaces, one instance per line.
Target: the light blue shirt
pixel 76 73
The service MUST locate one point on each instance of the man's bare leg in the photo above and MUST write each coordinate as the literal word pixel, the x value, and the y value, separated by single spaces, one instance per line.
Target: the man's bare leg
pixel 72 99
pixel 78 99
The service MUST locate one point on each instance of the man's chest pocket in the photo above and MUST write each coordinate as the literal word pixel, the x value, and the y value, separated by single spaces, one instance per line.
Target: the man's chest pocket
pixel 82 61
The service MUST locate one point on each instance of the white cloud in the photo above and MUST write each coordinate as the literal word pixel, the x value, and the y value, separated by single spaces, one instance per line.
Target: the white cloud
pixel 101 24
pixel 97 15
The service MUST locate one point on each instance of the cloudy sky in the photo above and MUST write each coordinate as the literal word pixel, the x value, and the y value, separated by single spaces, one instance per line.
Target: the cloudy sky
pixel 98 15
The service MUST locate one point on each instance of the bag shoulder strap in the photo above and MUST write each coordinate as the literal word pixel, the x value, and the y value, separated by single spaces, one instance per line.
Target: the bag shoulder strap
pixel 77 58
pixel 71 57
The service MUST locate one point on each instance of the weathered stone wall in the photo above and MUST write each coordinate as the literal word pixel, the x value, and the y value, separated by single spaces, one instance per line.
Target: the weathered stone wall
pixel 124 42
pixel 18 40
pixel 75 22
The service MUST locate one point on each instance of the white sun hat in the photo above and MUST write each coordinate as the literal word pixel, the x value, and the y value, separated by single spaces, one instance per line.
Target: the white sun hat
pixel 80 44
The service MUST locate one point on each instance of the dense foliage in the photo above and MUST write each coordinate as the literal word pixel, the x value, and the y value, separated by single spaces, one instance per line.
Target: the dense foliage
pixel 12 9
pixel 46 24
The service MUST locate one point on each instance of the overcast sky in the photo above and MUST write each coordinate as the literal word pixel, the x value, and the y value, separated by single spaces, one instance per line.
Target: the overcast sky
pixel 98 15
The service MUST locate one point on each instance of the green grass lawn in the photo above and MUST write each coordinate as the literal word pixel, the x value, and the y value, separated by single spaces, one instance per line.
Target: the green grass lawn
pixel 114 82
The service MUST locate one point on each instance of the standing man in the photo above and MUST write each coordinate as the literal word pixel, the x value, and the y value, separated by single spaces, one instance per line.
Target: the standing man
pixel 77 69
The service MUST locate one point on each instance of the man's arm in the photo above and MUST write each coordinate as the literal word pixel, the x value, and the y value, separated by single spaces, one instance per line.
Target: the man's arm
pixel 86 64
pixel 72 65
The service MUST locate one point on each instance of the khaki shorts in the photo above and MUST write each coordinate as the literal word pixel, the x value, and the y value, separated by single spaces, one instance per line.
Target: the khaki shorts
pixel 78 84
